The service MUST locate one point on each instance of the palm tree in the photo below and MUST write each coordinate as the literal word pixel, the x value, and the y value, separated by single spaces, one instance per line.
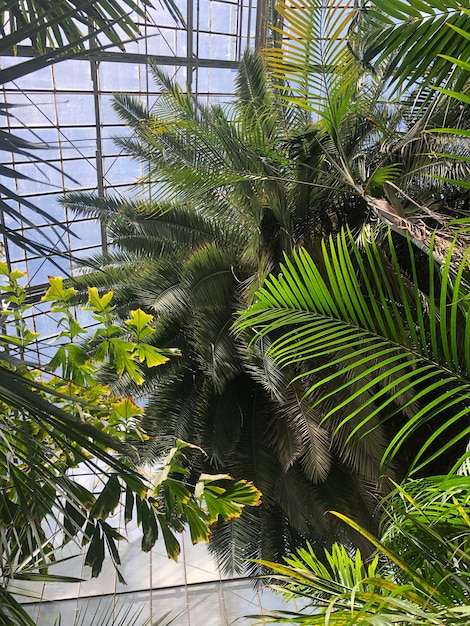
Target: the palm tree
pixel 193 258
pixel 234 190
pixel 231 191
pixel 413 365
pixel 396 154
pixel 402 183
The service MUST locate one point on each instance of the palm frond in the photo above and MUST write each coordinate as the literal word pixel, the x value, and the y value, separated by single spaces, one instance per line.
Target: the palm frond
pixel 67 21
pixel 311 59
pixel 373 339
pixel 425 520
pixel 419 574
pixel 11 611
pixel 416 37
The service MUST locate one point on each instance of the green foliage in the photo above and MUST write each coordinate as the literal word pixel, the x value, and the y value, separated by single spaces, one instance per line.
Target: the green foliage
pixel 310 57
pixel 417 38
pixel 66 22
pixel 375 146
pixel 55 427
pixel 374 341
pixel 120 346
pixel 438 507
pixel 233 188
pixel 229 204
pixel 419 574
pixel 11 612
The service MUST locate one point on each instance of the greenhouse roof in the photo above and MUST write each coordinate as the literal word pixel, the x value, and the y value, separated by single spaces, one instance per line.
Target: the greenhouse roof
pixel 68 107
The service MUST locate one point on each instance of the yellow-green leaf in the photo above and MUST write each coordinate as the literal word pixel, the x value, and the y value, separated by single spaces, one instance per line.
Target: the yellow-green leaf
pixel 140 323
pixel 57 291
pixel 150 355
pixel 127 409
pixel 97 303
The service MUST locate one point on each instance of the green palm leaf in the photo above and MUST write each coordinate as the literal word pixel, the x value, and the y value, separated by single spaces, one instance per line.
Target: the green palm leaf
pixel 360 328
pixel 309 55
pixel 57 24
pixel 427 520
pixel 11 611
pixel 416 35
pixel 419 574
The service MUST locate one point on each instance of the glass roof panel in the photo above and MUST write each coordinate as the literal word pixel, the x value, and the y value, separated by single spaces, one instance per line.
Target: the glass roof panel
pixel 68 106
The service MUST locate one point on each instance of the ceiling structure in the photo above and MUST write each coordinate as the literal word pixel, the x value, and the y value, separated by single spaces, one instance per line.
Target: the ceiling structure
pixel 68 107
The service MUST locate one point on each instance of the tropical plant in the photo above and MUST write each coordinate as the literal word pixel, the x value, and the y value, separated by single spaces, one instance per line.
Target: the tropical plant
pixel 191 256
pixel 229 202
pixel 230 192
pixel 419 574
pixel 376 341
pixel 55 428
pixel 65 25
pixel 412 45
pixel 400 182
pixel 416 39
pixel 443 61
pixel 384 150
pixel 322 312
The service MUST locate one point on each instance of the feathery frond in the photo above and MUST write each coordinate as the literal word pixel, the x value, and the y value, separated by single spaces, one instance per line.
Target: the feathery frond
pixel 362 331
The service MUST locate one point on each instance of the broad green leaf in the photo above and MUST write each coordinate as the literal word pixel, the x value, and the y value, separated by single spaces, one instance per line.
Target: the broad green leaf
pixel 176 496
pixel 108 499
pixel 172 545
pixel 198 523
pixel 140 323
pixel 151 355
pixel 57 292
pixel 121 354
pixel 95 553
pixel 97 303
pixel 228 502
pixel 149 526
pixel 127 409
